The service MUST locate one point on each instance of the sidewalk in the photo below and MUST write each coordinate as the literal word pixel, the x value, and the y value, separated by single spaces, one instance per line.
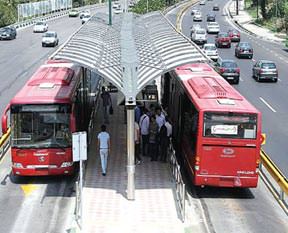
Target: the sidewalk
pixel 246 21
pixel 106 208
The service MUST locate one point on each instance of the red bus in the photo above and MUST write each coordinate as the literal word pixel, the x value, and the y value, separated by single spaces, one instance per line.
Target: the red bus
pixel 215 129
pixel 55 102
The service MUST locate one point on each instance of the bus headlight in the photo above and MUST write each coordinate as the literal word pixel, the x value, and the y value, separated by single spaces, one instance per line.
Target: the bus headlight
pixel 67 164
pixel 17 165
pixel 197 168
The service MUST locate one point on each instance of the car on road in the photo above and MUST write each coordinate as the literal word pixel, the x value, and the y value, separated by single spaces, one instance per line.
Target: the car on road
pixel 234 35
pixel 193 28
pixel 215 7
pixel 85 12
pixel 213 27
pixel 8 33
pixel 40 26
pixel 228 69
pixel 116 5
pixel 203 2
pixel 193 11
pixel 73 13
pixel 118 10
pixel 222 40
pixel 50 38
pixel 197 16
pixel 244 49
pixel 211 17
pixel 211 51
pixel 265 70
pixel 85 18
pixel 199 36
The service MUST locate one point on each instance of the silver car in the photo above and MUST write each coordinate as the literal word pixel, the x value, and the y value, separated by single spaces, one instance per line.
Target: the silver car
pixel 265 70
pixel 50 39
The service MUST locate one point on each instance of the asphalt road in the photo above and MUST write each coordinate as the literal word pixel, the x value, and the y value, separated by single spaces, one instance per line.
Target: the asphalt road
pixel 32 204
pixel 249 210
pixel 275 110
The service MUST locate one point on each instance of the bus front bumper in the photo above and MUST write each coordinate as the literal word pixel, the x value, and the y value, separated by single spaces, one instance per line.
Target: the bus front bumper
pixel 226 181
pixel 43 170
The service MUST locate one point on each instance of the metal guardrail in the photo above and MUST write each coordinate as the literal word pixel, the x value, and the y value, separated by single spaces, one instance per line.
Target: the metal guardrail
pixel 48 17
pixel 273 179
pixel 179 184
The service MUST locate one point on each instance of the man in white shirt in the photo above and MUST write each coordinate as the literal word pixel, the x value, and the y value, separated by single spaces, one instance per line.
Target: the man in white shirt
pixel 160 118
pixel 168 126
pixel 104 147
pixel 144 130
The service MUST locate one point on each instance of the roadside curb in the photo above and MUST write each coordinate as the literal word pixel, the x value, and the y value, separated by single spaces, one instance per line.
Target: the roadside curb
pixel 241 27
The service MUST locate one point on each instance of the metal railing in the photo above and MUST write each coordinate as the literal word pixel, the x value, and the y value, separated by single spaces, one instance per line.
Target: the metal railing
pixel 179 184
pixel 274 180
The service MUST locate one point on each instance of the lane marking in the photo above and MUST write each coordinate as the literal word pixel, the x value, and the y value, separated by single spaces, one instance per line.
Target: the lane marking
pixel 28 189
pixel 268 105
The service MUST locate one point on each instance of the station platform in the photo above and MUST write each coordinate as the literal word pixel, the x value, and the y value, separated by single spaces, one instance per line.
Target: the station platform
pixel 105 206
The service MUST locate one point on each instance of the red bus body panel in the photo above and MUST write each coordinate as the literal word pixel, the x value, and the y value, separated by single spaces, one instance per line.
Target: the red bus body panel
pixel 220 162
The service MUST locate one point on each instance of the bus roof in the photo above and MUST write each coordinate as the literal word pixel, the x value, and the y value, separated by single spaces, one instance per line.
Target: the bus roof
pixel 53 82
pixel 209 91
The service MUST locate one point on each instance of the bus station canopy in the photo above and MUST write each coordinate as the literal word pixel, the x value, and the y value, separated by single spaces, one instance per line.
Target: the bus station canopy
pixel 132 52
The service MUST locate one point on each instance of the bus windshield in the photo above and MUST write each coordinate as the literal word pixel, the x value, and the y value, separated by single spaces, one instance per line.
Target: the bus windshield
pixel 230 125
pixel 41 126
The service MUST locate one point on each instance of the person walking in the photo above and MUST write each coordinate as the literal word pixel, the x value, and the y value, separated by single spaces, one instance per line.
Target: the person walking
pixel 137 143
pixel 160 118
pixel 144 130
pixel 104 148
pixel 153 140
pixel 106 102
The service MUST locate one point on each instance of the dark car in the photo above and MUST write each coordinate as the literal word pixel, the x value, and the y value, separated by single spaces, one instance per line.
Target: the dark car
pixel 211 17
pixel 8 33
pixel 222 40
pixel 265 70
pixel 215 7
pixel 234 35
pixel 228 69
pixel 244 49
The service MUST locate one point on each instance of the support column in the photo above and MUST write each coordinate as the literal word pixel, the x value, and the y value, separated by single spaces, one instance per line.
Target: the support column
pixel 130 153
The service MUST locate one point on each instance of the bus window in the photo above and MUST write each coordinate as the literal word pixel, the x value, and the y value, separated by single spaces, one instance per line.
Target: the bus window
pixel 230 125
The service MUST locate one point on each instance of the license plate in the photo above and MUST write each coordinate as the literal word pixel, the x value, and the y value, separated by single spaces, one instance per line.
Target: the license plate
pixel 225 43
pixel 246 51
pixel 230 78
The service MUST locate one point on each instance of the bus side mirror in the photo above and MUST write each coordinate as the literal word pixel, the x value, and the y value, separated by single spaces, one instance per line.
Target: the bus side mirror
pixel 4 124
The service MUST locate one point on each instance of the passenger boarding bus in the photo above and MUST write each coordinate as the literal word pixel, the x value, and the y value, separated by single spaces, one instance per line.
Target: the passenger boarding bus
pixel 56 101
pixel 215 129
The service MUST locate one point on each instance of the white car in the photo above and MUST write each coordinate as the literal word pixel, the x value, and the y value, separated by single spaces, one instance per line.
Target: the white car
pixel 194 27
pixel 85 18
pixel 203 2
pixel 116 5
pixel 40 27
pixel 213 27
pixel 85 12
pixel 199 36
pixel 194 11
pixel 118 10
pixel 211 51
pixel 197 16
pixel 50 39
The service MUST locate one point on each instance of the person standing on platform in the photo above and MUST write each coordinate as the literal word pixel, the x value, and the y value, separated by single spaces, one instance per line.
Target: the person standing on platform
pixel 165 135
pixel 160 118
pixel 104 148
pixel 144 130
pixel 153 140
pixel 106 102
pixel 137 143
pixel 137 113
